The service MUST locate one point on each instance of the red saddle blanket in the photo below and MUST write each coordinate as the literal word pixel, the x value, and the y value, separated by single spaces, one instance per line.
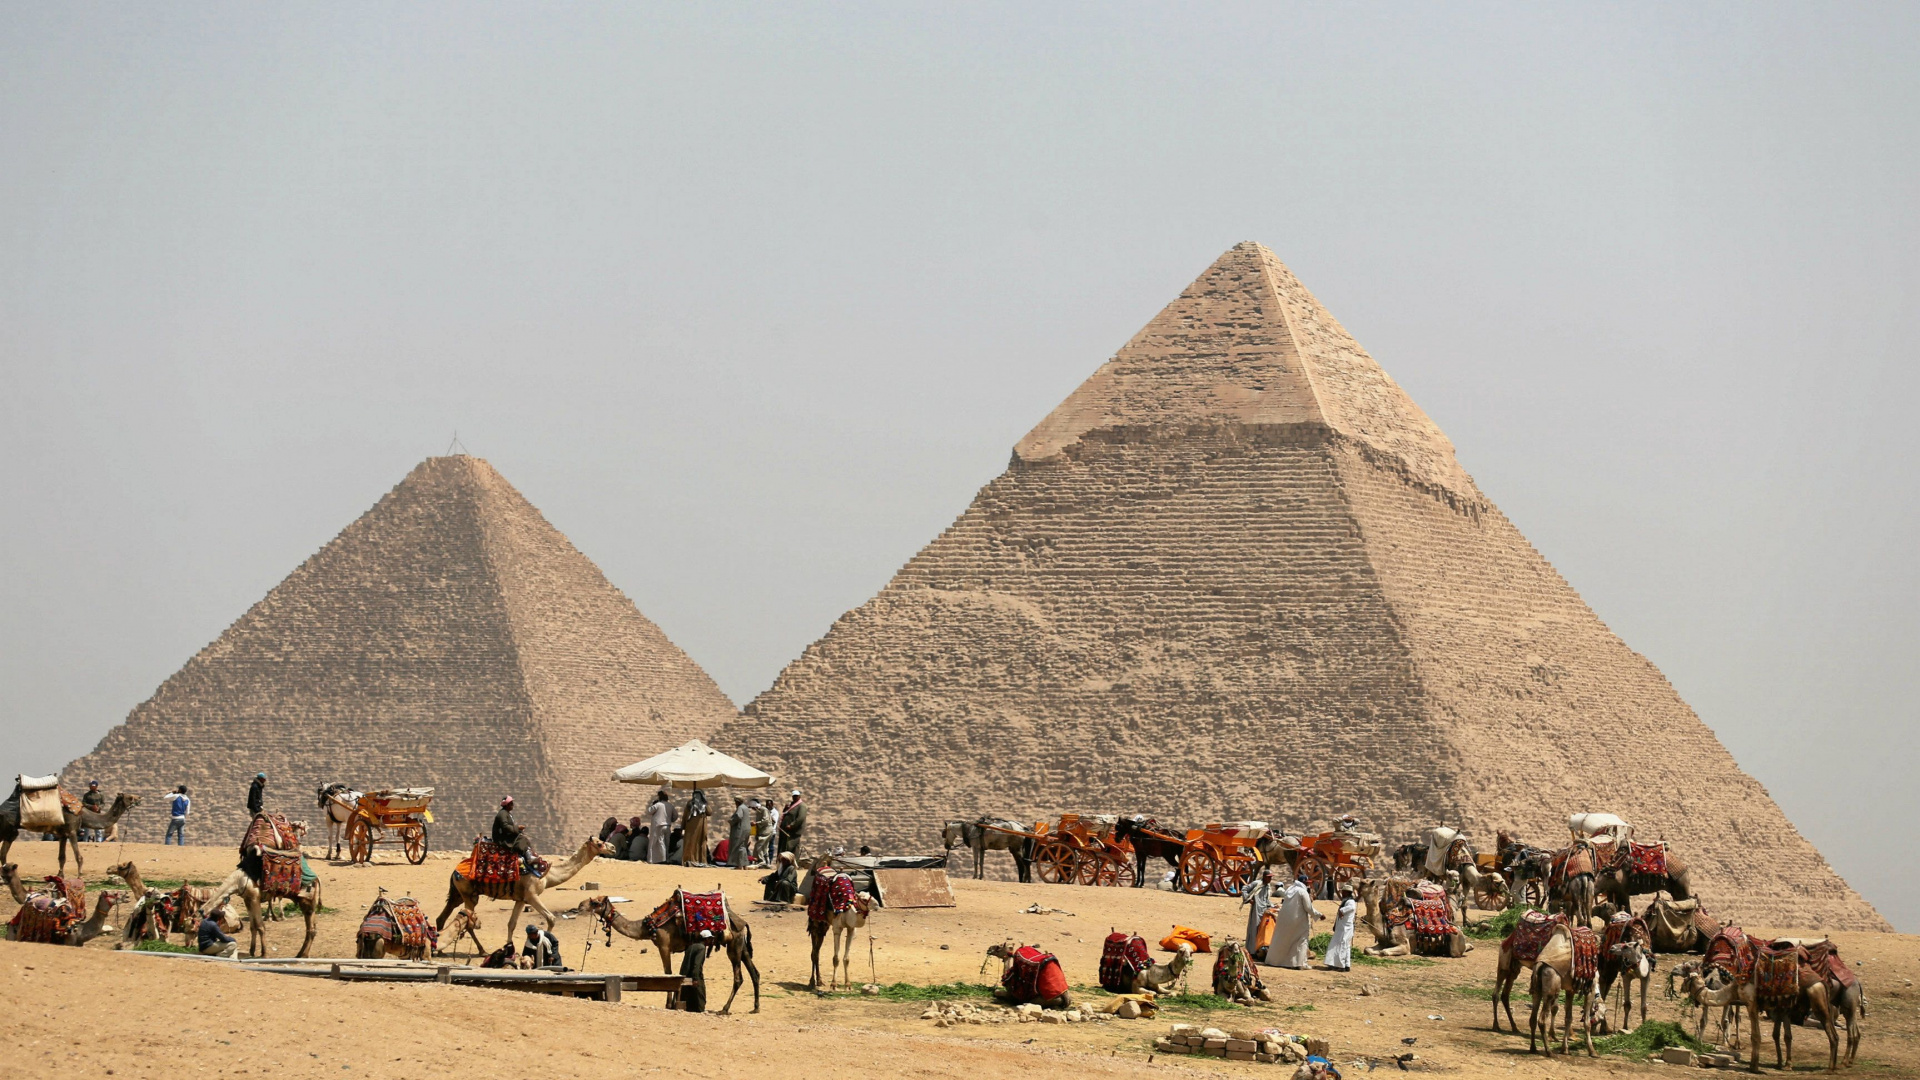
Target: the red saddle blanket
pixel 1586 955
pixel 270 831
pixel 1730 949
pixel 1824 958
pixel 72 889
pixel 400 920
pixel 1034 976
pixel 490 864
pixel 704 911
pixel 1777 970
pixel 45 919
pixel 832 895
pixel 1430 917
pixel 1648 860
pixel 285 874
pixel 1623 927
pixel 1121 958
pixel 1531 934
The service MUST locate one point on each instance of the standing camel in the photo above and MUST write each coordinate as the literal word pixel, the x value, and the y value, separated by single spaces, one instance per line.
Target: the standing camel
pixel 1543 991
pixel 337 802
pixel 1717 986
pixel 72 821
pixel 670 936
pixel 1576 977
pixel 978 836
pixel 249 891
pixel 842 924
pixel 1570 886
pixel 1626 954
pixel 1520 951
pixel 525 890
pixel 1618 884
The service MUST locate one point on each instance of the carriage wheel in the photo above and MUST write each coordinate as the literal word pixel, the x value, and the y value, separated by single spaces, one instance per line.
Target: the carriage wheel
pixel 359 840
pixel 1053 863
pixel 1197 870
pixel 1235 869
pixel 1316 870
pixel 1122 875
pixel 414 837
pixel 1533 893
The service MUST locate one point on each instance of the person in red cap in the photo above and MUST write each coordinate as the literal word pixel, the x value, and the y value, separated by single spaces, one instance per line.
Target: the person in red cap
pixel 508 834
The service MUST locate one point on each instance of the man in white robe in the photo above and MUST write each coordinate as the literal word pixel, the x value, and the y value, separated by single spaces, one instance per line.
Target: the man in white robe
pixel 659 821
pixel 1292 928
pixel 1257 898
pixel 1340 949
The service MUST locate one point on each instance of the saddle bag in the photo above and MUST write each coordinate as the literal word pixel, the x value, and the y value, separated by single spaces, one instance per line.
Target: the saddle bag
pixel 1034 976
pixel 40 809
pixel 1121 958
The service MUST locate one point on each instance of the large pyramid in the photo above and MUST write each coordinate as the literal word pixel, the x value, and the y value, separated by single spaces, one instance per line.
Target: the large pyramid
pixel 450 637
pixel 1239 574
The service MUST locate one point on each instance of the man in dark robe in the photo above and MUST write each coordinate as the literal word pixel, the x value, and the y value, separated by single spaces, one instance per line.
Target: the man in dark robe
pixel 782 884
pixel 508 834
pixel 693 966
pixel 95 802
pixel 257 793
pixel 793 824
pixel 542 947
pixel 739 842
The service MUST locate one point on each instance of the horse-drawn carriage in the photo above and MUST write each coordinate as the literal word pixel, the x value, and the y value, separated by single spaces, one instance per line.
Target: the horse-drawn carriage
pixel 398 816
pixel 1082 850
pixel 1221 857
pixel 1342 855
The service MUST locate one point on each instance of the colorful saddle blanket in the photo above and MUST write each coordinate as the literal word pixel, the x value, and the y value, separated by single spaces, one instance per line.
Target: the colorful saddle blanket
pixel 44 920
pixel 1431 917
pixel 1234 974
pixel 1033 976
pixel 1126 955
pixel 1586 955
pixel 1824 958
pixel 1777 970
pixel 1730 949
pixel 1531 934
pixel 73 890
pixel 1645 860
pixel 272 832
pixel 1624 926
pixel 704 911
pixel 400 920
pixel 490 865
pixel 286 874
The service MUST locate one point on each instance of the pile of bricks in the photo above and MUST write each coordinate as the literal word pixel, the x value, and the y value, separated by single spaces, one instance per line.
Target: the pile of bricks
pixel 1267 1047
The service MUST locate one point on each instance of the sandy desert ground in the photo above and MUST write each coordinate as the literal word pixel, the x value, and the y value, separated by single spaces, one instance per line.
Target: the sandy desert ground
pixel 96 1011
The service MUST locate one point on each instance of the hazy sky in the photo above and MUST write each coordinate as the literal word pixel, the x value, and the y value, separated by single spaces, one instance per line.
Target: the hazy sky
pixel 751 300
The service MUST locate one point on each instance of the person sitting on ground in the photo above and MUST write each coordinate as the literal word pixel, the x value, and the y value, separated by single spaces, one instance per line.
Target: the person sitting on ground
pixel 865 851
pixel 508 834
pixel 637 837
pixel 693 967
pixel 213 940
pixel 617 838
pixel 675 840
pixel 607 827
pixel 782 884
pixel 542 947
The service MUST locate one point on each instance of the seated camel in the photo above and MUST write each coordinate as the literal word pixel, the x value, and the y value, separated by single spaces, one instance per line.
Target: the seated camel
pixel 1160 977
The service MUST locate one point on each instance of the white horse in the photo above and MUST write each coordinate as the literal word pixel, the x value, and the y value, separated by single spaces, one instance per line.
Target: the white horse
pixel 338 800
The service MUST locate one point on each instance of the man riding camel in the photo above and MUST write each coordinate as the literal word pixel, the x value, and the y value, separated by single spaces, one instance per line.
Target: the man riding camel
pixel 508 834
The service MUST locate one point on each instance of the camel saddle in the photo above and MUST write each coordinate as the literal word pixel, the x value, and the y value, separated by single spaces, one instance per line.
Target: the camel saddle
pixel 1124 956
pixel 1033 975
pixel 285 874
pixel 270 832
pixel 1731 949
pixel 494 869
pixel 42 804
pixel 1586 955
pixel 708 911
pixel 1570 863
pixel 1777 970
pixel 1235 976
pixel 1531 934
pixel 1642 860
pixel 48 917
pixel 400 920
pixel 1623 927
pixel 1824 958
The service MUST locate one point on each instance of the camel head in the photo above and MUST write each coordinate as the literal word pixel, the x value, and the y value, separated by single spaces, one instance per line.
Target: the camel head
pixel 123 802
pixel 125 871
pixel 1182 958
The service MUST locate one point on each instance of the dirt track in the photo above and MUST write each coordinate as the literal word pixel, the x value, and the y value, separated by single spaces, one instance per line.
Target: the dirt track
pixel 119 1014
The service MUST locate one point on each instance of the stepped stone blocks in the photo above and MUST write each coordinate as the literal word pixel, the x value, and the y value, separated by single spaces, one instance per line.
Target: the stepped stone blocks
pixel 1239 574
pixel 450 637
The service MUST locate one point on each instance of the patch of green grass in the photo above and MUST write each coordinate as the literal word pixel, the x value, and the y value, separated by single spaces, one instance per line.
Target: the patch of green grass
pixel 1649 1039
pixel 1361 959
pixel 1194 1002
pixel 1500 925
pixel 935 992
pixel 1299 1008
pixel 1318 943
pixel 162 946
pixel 1484 993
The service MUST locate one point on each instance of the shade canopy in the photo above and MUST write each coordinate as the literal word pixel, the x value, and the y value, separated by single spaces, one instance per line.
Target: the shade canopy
pixel 694 765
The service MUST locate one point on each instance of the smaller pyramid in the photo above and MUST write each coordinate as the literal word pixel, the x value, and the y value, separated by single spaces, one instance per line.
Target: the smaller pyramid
pixel 450 638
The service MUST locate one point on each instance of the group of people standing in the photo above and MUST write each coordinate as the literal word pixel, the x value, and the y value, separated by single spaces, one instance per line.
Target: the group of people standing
pixel 757 831
pixel 1280 924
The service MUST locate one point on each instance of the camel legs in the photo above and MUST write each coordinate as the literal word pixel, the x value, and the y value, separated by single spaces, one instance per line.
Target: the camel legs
pixel 818 932
pixel 842 954
pixel 740 951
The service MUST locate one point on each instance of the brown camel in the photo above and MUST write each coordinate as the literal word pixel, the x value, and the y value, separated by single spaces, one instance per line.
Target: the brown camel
pixel 1717 986
pixel 68 832
pixel 93 927
pixel 1626 955
pixel 158 913
pixel 369 945
pixel 248 890
pixel 525 890
pixel 1570 889
pixel 1508 967
pixel 671 937
pixel 1561 960
pixel 842 924
pixel 1618 886
pixel 1543 990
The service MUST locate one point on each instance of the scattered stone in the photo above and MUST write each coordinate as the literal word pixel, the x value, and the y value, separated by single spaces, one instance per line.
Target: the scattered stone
pixel 1677 1055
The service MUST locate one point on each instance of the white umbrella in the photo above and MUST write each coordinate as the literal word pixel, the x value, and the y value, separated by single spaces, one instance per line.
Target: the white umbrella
pixel 694 765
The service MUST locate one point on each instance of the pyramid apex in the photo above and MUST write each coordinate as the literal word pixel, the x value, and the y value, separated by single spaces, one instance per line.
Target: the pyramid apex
pixel 1247 344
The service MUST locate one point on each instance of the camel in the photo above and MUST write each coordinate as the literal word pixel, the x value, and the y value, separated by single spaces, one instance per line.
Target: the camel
pixel 1619 887
pixel 1630 961
pixel 1544 991
pixel 1004 952
pixel 1160 978
pixel 1851 1005
pixel 671 937
pixel 977 836
pixel 843 924
pixel 1507 971
pixel 1375 900
pixel 1717 986
pixel 377 946
pixel 188 903
pixel 1680 926
pixel 526 888
pixel 241 884
pixel 1560 958
pixel 1457 858
pixel 1571 887
pixel 337 802
pixel 68 832
pixel 95 924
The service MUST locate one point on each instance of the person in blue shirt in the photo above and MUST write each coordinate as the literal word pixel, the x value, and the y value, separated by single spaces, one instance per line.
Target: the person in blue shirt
pixel 213 940
pixel 177 806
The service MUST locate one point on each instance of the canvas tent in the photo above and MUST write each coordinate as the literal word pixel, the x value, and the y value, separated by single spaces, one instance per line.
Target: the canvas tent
pixel 694 765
